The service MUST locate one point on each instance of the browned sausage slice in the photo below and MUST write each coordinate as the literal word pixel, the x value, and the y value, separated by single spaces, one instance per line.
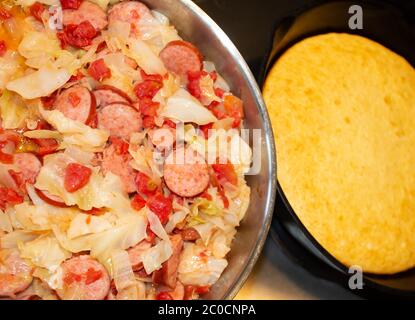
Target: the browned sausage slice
pixel 121 120
pixel 76 103
pixel 186 172
pixel 83 278
pixel 15 273
pixel 87 11
pixel 167 275
pixel 181 57
pixel 136 254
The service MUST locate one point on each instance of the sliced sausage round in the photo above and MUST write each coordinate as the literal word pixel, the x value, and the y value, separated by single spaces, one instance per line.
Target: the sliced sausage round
pixel 181 57
pixel 15 273
pixel 29 166
pixel 167 275
pixel 87 11
pixel 83 278
pixel 120 120
pixel 129 11
pixel 76 103
pixel 119 164
pixel 107 94
pixel 186 172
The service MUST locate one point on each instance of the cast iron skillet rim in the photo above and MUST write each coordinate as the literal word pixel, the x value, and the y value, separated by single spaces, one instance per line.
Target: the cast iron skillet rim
pixel 269 141
pixel 266 65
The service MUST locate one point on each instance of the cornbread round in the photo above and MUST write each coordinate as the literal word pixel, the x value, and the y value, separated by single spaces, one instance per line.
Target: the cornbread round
pixel 343 114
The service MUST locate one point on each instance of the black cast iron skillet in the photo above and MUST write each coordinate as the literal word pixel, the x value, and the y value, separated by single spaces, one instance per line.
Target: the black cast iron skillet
pixel 388 24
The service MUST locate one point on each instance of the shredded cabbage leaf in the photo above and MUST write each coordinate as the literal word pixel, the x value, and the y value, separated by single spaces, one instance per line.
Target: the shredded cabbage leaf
pixel 154 257
pixel 184 107
pixel 197 269
pixel 40 83
pixel 13 110
pixel 44 252
pixel 75 132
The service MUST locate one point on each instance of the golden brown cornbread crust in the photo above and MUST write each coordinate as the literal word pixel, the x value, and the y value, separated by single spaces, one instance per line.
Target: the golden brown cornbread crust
pixel 343 114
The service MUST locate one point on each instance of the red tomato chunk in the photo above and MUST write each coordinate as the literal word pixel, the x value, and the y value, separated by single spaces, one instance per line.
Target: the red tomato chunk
pixel 76 176
pixel 99 70
pixel 161 206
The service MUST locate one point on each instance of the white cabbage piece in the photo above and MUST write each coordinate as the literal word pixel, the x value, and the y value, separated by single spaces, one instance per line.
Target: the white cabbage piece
pixel 197 269
pixel 123 274
pixel 5 222
pixel 154 257
pixel 155 225
pixel 44 252
pixel 145 57
pixel 99 192
pixel 9 68
pixel 83 224
pixel 53 279
pixel 13 110
pixel 184 107
pixel 75 132
pixel 40 83
pixel 12 239
pixel 43 134
pixel 42 217
pixel 27 3
pixel 134 292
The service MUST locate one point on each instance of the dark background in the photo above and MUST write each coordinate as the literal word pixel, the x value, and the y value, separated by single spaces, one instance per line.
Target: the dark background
pixel 251 23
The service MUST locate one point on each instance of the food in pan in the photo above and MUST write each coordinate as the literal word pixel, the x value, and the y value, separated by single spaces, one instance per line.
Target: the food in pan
pixel 95 202
pixel 343 114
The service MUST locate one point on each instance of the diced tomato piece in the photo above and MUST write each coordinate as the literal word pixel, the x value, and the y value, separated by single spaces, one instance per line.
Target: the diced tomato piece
pixel 74 99
pixel 148 107
pixel 121 146
pixel 217 109
pixel 219 92
pixel 18 179
pixel 234 109
pixel 161 206
pixel 170 123
pixel 92 276
pixel 71 277
pixel 77 35
pixel 193 84
pixel 101 46
pixel 151 77
pixel 144 184
pixel 5 14
pixel 202 289
pixel 70 4
pixel 225 173
pixel 99 70
pixel 36 10
pixel 3 48
pixel 164 296
pixel 78 76
pixel 76 176
pixel 215 183
pixel 46 146
pixel 137 203
pixel 148 122
pixel 5 157
pixel 147 89
pixel 205 129
pixel 9 196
